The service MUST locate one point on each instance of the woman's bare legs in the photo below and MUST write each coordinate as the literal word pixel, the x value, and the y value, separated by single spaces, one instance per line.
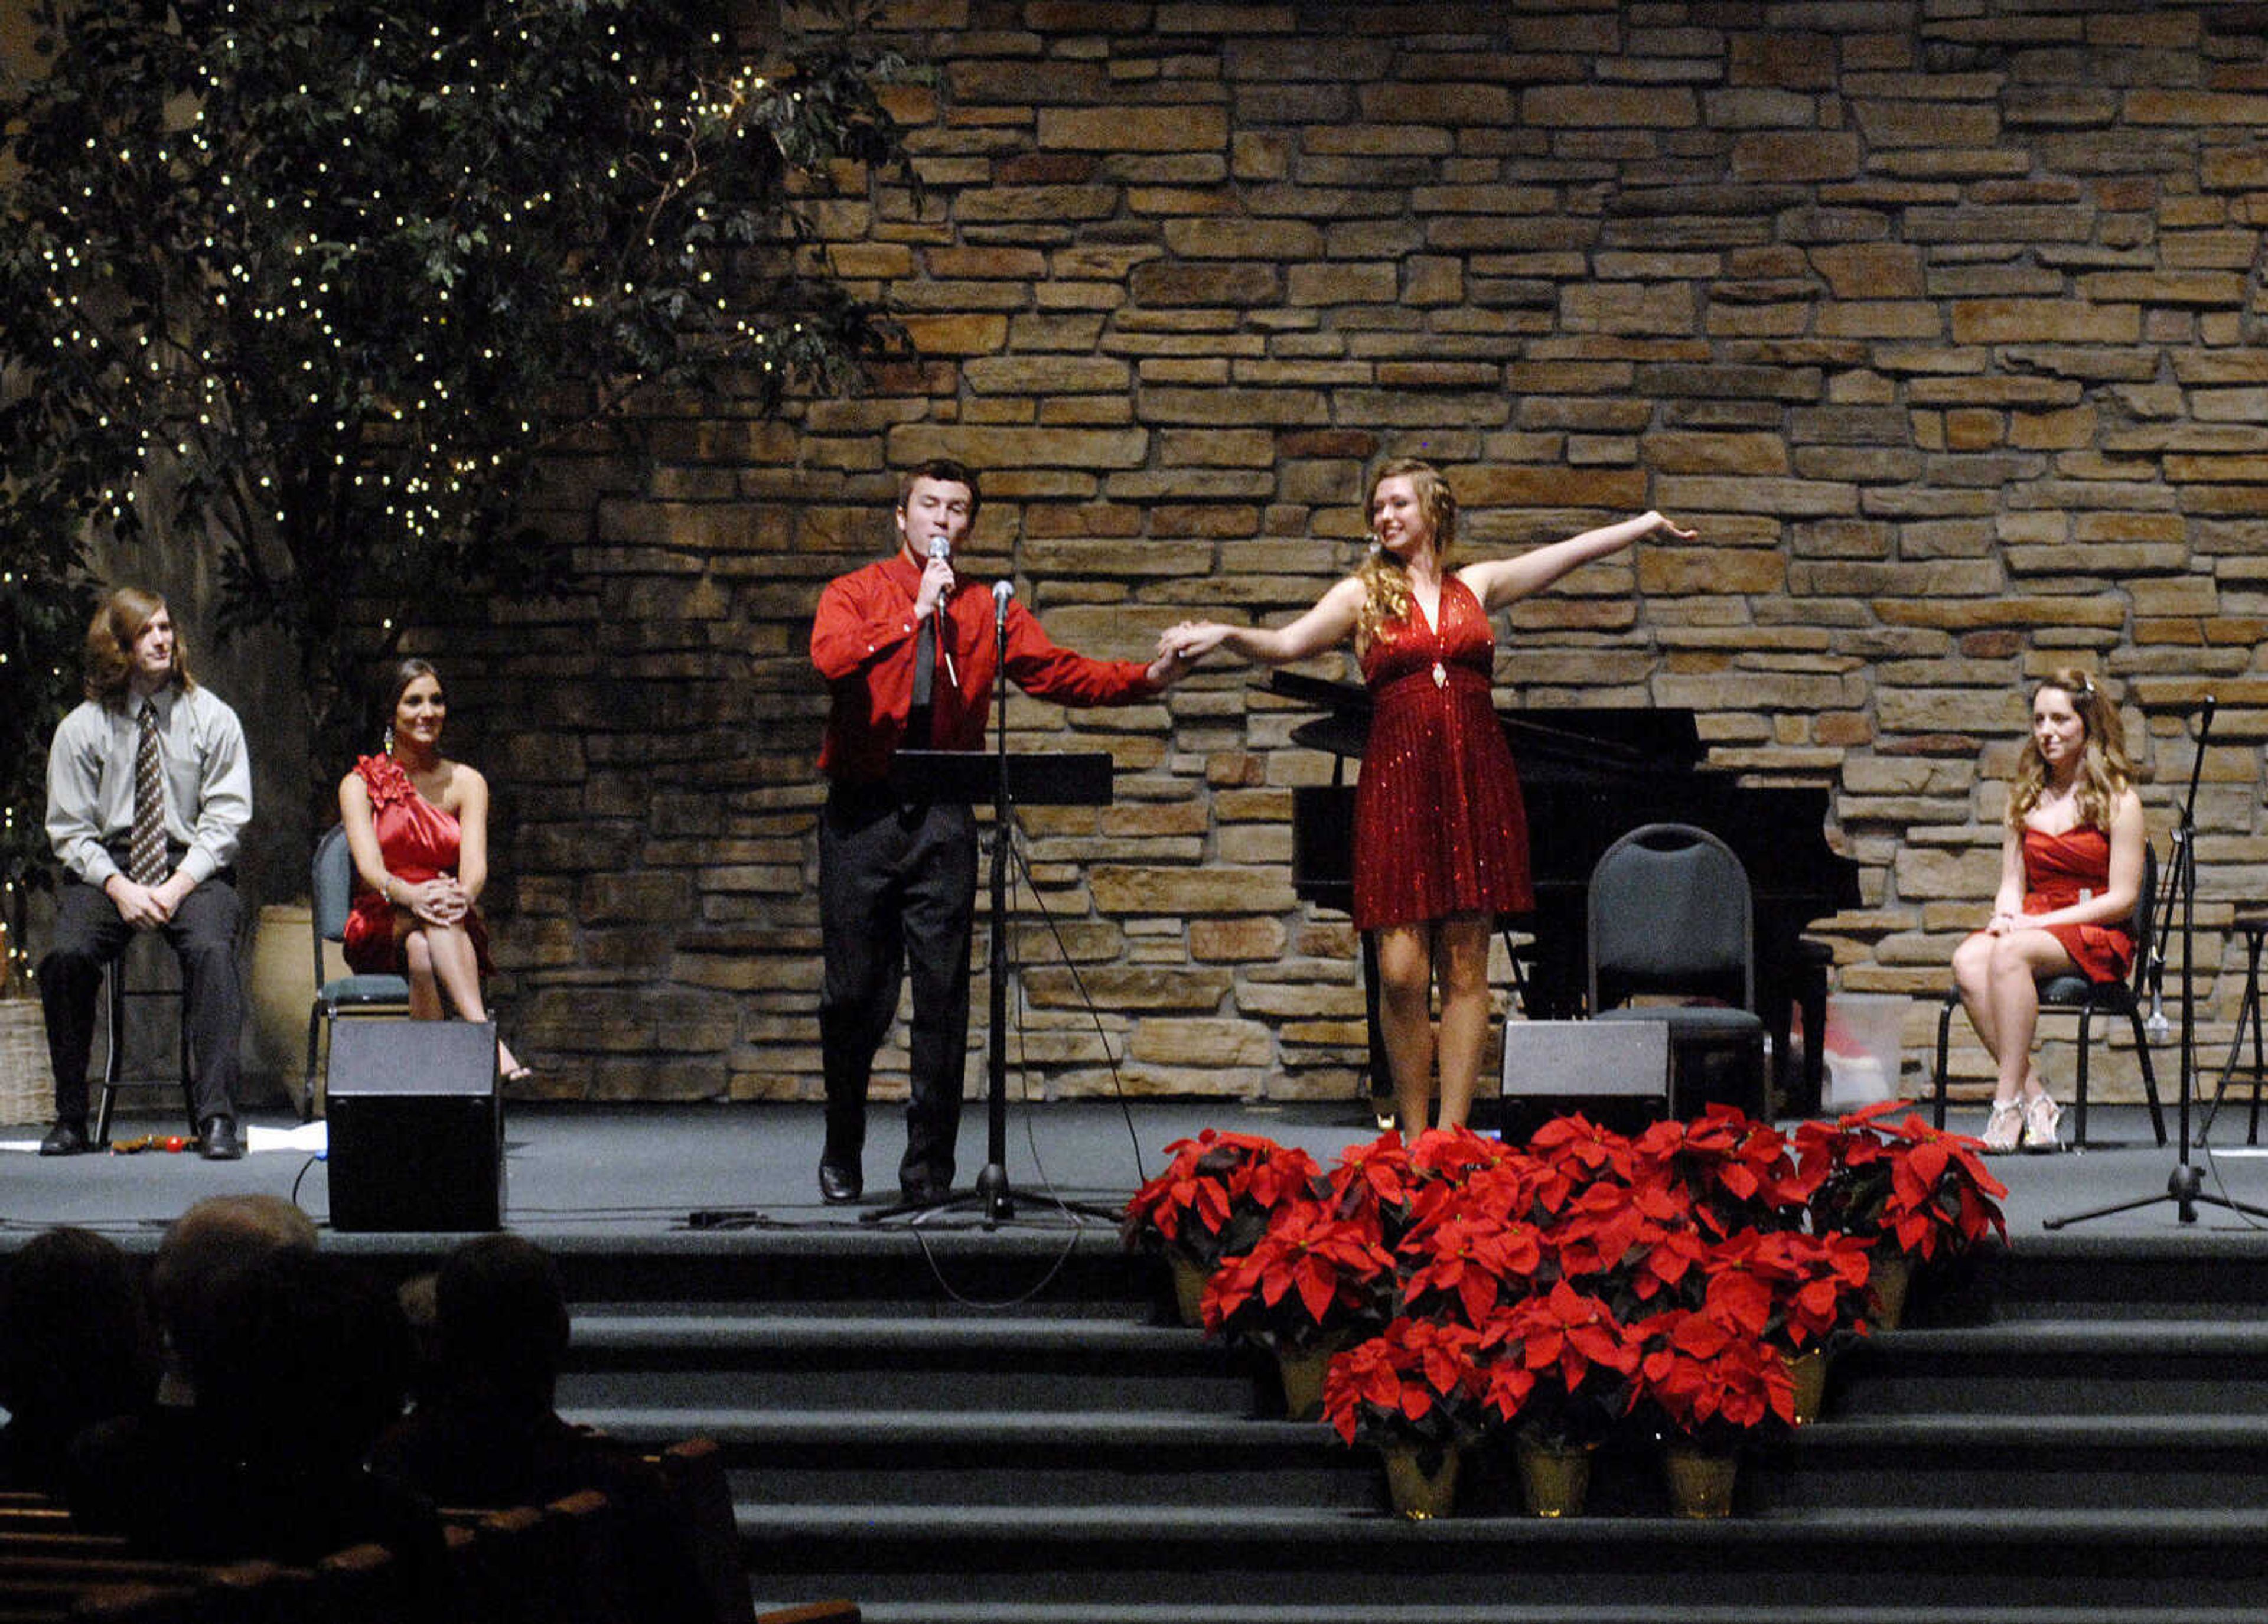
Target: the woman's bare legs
pixel 441 960
pixel 1998 978
pixel 425 1003
pixel 1461 962
pixel 1405 1020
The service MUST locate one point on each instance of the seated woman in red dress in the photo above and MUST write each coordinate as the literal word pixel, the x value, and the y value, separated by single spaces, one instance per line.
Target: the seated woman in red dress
pixel 1440 836
pixel 417 824
pixel 2071 867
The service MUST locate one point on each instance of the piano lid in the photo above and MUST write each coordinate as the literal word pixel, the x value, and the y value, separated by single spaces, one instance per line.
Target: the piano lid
pixel 1613 738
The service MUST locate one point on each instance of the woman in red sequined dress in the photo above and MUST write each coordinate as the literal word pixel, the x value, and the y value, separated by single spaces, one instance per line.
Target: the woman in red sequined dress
pixel 1440 836
pixel 2070 867
pixel 417 825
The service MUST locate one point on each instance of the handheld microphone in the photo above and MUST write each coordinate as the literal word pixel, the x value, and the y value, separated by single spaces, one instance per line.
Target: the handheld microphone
pixel 2207 714
pixel 939 548
pixel 1002 590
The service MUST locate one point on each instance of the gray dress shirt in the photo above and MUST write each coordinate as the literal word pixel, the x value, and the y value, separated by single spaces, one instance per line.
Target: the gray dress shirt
pixel 207 778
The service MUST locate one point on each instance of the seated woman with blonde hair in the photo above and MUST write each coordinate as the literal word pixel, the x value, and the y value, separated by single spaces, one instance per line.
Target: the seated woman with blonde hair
pixel 417 824
pixel 2071 869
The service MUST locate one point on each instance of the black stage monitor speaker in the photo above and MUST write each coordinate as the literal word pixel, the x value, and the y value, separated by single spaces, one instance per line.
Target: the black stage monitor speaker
pixel 1585 1060
pixel 417 1134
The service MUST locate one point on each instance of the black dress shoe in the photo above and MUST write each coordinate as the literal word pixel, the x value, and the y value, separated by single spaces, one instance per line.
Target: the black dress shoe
pixel 218 1142
pixel 923 1189
pixel 65 1138
pixel 838 1186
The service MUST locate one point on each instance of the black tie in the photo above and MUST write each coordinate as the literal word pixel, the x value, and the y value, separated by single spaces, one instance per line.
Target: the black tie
pixel 925 684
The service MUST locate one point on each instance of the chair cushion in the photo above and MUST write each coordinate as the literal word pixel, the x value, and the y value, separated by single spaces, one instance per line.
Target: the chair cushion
pixel 2077 989
pixel 364 989
pixel 1695 1019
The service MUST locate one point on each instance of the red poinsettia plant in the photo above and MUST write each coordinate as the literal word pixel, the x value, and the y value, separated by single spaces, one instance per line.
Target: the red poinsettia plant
pixel 1902 1184
pixel 1737 1173
pixel 1464 1266
pixel 1417 1383
pixel 1794 1292
pixel 1312 1275
pixel 1559 1365
pixel 1216 1196
pixel 1709 1382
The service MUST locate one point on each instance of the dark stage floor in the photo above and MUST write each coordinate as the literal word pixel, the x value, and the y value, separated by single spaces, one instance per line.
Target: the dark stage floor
pixel 630 1175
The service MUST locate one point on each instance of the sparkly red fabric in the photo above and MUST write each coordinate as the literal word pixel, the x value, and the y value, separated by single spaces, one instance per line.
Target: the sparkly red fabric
pixel 2057 868
pixel 1439 825
pixel 418 841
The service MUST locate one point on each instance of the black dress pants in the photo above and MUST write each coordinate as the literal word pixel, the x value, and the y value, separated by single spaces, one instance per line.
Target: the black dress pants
pixel 897 891
pixel 89 933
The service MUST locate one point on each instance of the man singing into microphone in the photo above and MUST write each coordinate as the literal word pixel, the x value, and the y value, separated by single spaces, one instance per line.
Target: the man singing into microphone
pixel 910 657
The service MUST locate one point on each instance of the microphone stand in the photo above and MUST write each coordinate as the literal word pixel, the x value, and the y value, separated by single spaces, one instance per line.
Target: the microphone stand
pixel 992 1194
pixel 2186 1186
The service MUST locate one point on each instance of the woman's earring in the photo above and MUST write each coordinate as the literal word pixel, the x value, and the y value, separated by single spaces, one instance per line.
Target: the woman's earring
pixel 387 747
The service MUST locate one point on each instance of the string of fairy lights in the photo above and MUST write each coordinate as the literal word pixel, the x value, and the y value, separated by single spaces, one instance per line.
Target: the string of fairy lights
pixel 156 374
pixel 15 958
pixel 420 473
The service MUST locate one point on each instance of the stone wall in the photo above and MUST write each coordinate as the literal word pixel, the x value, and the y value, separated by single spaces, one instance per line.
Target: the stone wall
pixel 1940 319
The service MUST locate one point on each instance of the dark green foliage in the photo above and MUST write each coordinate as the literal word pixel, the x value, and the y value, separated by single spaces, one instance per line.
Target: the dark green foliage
pixel 317 285
pixel 45 604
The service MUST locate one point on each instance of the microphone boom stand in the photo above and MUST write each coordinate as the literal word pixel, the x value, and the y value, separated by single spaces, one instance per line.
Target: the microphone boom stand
pixel 993 1193
pixel 2186 1186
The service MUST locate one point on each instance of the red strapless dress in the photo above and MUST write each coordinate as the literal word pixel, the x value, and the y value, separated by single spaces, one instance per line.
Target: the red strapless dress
pixel 2057 868
pixel 418 841
pixel 1439 825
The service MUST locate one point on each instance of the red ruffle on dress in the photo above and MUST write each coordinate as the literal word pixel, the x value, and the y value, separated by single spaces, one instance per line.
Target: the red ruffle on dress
pixel 418 841
pixel 1440 828
pixel 2058 867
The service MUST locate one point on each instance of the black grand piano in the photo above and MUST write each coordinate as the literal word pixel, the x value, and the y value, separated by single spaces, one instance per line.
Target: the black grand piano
pixel 1590 776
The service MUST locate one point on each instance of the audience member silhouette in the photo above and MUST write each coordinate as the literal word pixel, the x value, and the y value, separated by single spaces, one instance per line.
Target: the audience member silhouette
pixel 202 1252
pixel 489 1436
pixel 203 1249
pixel 76 1349
pixel 299 1364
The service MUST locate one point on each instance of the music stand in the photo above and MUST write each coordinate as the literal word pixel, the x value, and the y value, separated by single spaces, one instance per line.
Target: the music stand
pixel 972 777
pixel 2186 1186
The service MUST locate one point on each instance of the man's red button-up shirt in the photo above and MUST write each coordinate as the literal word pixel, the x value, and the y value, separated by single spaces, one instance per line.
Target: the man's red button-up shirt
pixel 864 642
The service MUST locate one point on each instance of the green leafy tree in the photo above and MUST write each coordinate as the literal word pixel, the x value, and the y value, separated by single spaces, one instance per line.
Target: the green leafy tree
pixel 316 286
pixel 45 603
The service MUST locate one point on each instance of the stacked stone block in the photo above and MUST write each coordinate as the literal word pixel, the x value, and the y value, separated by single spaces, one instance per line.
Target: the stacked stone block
pixel 1939 319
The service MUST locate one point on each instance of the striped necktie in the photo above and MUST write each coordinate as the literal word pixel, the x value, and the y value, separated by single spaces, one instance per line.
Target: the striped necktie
pixel 146 857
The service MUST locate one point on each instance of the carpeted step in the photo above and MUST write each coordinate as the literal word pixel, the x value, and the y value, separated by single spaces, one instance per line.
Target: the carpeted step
pixel 2082 1562
pixel 1025 1362
pixel 1131 1459
pixel 2059 1366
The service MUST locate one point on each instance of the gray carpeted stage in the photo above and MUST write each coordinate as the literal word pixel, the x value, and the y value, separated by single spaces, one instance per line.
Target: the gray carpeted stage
pixel 599 1175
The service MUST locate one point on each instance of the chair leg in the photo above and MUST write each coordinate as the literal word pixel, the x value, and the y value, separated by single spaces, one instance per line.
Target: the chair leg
pixel 1944 1045
pixel 2259 1061
pixel 308 1086
pixel 114 1047
pixel 189 1085
pixel 2149 1075
pixel 2079 1084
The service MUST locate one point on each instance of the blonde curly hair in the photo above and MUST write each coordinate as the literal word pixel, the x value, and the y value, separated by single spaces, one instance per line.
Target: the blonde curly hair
pixel 1385 579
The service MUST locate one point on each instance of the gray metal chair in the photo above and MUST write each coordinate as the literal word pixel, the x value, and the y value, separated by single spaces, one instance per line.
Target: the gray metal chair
pixel 331 893
pixel 2076 995
pixel 1671 913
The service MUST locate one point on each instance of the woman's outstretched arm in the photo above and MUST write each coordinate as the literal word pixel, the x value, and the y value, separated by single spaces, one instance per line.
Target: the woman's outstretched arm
pixel 1331 622
pixel 1498 582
